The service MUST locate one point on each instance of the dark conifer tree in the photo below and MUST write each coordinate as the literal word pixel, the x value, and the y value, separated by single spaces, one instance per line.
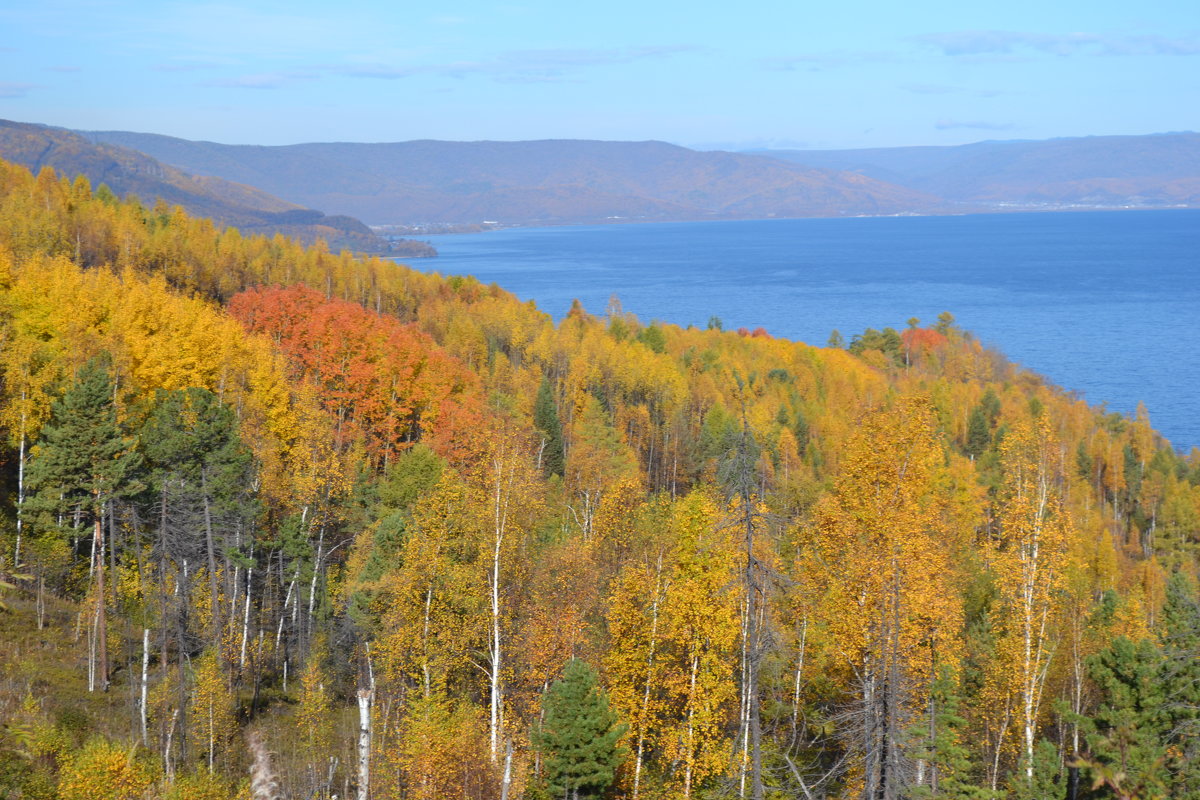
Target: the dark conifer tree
pixel 1180 679
pixel 200 475
pixel 1128 732
pixel 578 736
pixel 947 754
pixel 82 463
pixel 978 434
pixel 545 418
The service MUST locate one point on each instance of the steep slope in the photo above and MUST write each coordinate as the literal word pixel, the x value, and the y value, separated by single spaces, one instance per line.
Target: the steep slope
pixel 128 172
pixel 551 181
pixel 422 481
pixel 1156 170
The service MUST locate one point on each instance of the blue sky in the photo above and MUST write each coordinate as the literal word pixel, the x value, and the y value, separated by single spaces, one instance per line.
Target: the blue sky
pixel 751 74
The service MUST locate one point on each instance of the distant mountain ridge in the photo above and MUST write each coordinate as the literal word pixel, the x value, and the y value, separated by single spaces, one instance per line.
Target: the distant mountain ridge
pixel 534 182
pixel 552 182
pixel 1151 170
pixel 129 172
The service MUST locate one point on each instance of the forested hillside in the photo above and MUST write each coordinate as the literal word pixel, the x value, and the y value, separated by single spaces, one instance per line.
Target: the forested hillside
pixel 549 182
pixel 1158 170
pixel 126 172
pixel 368 532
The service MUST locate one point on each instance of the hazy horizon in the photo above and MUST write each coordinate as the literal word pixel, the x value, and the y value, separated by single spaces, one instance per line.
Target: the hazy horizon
pixel 860 75
pixel 746 146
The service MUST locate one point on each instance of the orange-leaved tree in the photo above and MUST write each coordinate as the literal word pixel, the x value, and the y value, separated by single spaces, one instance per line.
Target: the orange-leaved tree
pixel 383 381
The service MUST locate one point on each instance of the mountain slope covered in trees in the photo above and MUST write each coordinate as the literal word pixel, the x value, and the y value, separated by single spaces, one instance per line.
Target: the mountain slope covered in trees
pixel 264 499
pixel 128 172
pixel 1154 170
pixel 540 182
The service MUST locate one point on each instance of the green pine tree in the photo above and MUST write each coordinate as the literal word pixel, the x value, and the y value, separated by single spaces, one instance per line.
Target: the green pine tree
pixel 578 735
pixel 979 426
pixel 200 473
pixel 545 418
pixel 948 758
pixel 1049 777
pixel 84 461
pixel 979 434
pixel 1180 680
pixel 1127 734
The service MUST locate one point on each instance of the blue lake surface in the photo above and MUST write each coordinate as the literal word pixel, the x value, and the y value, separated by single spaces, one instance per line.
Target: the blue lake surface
pixel 1103 303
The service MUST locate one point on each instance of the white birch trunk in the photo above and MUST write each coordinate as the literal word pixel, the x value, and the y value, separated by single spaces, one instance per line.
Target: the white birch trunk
pixel 691 730
pixel 500 501
pixel 246 619
pixel 364 743
pixel 799 672
pixel 312 589
pixel 145 671
pixel 507 783
pixel 20 491
pixel 168 764
pixel 644 723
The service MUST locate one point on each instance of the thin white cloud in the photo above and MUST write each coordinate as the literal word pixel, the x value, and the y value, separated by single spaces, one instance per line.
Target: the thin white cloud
pixel 938 88
pixel 949 125
pixel 930 88
pixel 1007 43
pixel 1163 45
pixel 187 66
pixel 524 66
pixel 10 90
pixel 816 61
pixel 262 80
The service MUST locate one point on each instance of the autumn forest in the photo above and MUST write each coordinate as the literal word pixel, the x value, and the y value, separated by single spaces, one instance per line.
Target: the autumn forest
pixel 283 523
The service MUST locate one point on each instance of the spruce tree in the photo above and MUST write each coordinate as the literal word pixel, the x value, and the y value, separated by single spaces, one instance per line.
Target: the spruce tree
pixel 979 435
pixel 545 418
pixel 1128 732
pixel 1180 679
pixel 1049 779
pixel 83 461
pixel 200 472
pixel 948 756
pixel 578 735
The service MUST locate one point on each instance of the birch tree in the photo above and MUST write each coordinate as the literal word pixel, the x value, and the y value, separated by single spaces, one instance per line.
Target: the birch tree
pixel 1029 559
pixel 880 571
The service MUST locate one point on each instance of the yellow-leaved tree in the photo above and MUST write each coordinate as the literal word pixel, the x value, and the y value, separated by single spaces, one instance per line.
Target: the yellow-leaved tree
pixel 1029 561
pixel 211 714
pixel 103 770
pixel 878 567
pixel 700 630
pixel 634 664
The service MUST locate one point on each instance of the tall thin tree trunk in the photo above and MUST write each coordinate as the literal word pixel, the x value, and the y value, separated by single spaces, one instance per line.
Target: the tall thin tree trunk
pixel 20 491
pixel 641 741
pixel 312 588
pixel 246 616
pixel 40 603
pixel 500 501
pixel 753 588
pixel 426 676
pixel 145 685
pixel 690 756
pixel 364 743
pixel 168 762
pixel 210 547
pixel 799 673
pixel 101 617
pixel 507 782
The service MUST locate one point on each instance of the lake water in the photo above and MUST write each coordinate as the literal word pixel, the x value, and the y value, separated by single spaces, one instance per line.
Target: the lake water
pixel 1103 303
